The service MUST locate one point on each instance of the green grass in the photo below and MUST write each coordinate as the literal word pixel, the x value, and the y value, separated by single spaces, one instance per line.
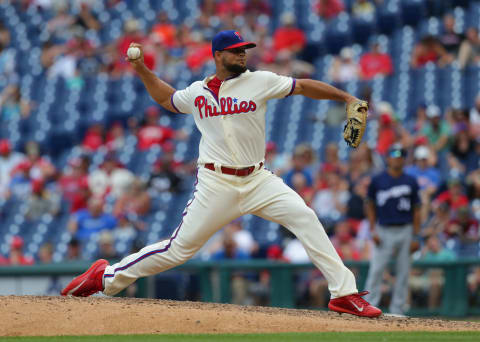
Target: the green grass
pixel 288 337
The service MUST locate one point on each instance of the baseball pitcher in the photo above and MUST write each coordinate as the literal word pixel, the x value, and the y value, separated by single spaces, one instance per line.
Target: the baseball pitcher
pixel 229 110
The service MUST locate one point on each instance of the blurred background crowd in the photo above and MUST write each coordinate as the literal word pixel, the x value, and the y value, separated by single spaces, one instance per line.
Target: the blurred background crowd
pixel 91 167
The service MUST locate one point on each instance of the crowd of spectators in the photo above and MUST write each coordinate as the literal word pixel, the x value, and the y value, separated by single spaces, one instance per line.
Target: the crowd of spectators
pixel 110 200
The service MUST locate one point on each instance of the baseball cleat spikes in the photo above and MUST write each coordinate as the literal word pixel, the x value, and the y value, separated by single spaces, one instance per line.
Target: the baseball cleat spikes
pixel 354 304
pixel 89 282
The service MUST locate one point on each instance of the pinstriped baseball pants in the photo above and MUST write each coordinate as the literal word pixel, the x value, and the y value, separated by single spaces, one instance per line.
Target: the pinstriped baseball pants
pixel 218 200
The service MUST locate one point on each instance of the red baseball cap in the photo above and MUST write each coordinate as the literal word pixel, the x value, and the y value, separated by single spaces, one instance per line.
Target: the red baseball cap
pixel 231 39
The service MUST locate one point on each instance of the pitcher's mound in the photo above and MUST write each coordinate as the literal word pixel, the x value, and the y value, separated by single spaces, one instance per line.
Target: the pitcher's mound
pixel 51 316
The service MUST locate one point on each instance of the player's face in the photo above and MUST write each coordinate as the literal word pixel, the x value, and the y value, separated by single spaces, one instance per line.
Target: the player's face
pixel 235 60
pixel 396 163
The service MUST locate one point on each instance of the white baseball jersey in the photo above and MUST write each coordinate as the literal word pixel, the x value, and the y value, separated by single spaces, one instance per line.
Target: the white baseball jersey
pixel 233 134
pixel 233 125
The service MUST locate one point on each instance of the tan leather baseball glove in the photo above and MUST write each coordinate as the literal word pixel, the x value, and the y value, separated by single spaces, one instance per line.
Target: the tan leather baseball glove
pixel 356 122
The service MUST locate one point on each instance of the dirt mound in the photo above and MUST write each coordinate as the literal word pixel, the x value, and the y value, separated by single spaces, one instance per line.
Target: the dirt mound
pixel 50 316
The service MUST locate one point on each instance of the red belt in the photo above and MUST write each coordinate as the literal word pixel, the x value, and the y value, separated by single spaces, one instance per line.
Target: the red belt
pixel 234 172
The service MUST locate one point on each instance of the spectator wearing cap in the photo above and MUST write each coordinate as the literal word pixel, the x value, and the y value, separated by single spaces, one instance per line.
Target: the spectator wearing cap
pixel 8 161
pixel 436 130
pixel 374 63
pixel 110 178
pixel 428 177
pixel 93 220
pixel 288 37
pixel 152 133
pixel 387 132
pixel 344 68
pixel 393 211
pixel 41 201
pixel 16 256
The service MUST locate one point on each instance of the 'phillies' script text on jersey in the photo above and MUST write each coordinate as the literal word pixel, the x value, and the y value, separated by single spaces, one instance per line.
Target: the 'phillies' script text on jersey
pixel 227 106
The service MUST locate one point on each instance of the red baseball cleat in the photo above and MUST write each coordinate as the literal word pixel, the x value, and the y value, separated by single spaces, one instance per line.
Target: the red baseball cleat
pixel 354 304
pixel 88 283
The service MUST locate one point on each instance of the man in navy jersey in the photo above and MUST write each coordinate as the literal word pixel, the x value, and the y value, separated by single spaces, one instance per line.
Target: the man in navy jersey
pixel 393 211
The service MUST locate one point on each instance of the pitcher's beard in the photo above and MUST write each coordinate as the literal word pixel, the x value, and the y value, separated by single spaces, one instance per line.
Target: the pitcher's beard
pixel 235 68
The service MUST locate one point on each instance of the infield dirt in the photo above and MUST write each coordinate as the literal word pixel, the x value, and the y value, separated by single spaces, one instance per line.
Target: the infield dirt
pixel 53 316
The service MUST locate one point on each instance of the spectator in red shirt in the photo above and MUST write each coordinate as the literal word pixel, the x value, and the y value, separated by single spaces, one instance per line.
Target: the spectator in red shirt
pixel 344 242
pixel 229 8
pixel 428 50
pixel 453 196
pixel 152 133
pixel 41 167
pixel 375 63
pixel 386 132
pixel 328 9
pixel 258 7
pixel 198 52
pixel 288 37
pixel 71 182
pixel 132 33
pixel 94 138
pixel 164 30
pixel 16 256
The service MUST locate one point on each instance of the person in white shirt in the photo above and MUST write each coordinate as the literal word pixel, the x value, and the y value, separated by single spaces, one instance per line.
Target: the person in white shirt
pixel 229 110
pixel 8 161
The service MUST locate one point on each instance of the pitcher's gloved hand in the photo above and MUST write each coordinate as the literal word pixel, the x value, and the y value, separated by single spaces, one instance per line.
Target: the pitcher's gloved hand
pixel 357 112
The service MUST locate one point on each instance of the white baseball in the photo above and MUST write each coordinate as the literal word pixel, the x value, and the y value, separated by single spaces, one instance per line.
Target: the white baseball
pixel 133 52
